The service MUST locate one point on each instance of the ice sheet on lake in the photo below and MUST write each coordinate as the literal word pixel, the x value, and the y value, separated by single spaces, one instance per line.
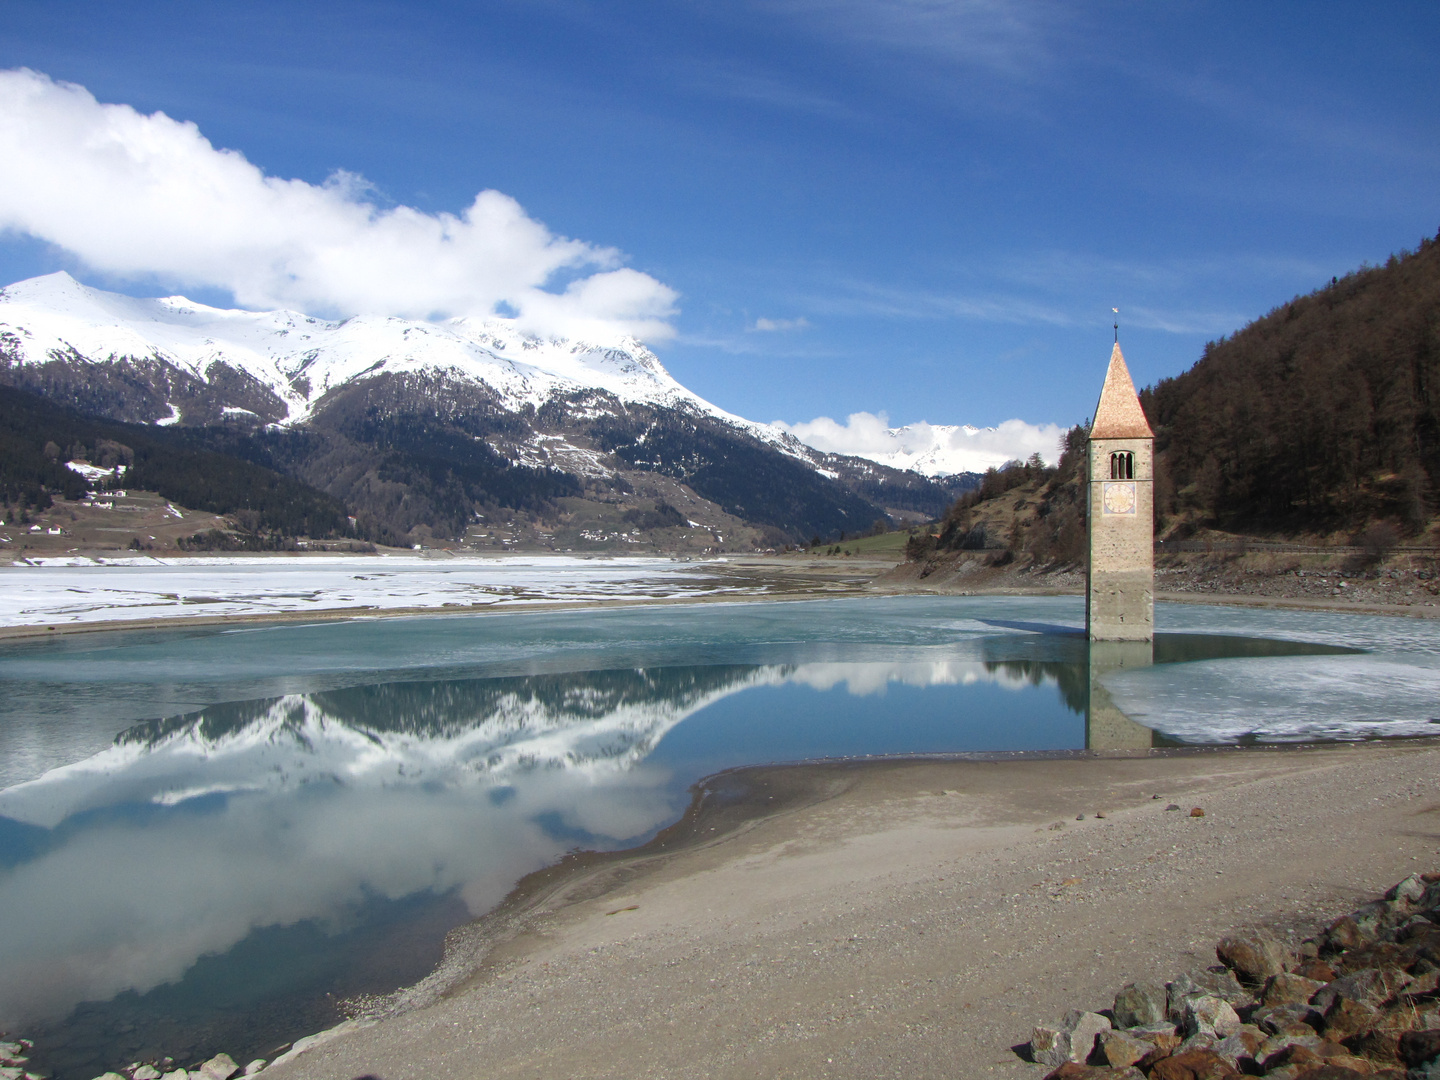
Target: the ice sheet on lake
pixel 1354 630
pixel 74 590
pixel 1392 689
pixel 1283 699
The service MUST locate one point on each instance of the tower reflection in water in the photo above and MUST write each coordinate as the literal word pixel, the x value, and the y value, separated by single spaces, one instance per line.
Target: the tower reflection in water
pixel 1084 671
pixel 1106 727
pixel 1077 668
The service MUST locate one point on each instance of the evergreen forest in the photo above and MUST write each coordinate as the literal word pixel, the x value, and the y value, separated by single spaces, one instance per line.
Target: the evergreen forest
pixel 1324 414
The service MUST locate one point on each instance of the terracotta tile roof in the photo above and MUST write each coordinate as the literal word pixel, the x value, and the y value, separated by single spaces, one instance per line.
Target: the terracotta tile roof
pixel 1119 416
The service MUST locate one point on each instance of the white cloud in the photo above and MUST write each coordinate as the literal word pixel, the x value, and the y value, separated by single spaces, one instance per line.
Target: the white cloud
pixel 138 196
pixel 932 449
pixel 771 325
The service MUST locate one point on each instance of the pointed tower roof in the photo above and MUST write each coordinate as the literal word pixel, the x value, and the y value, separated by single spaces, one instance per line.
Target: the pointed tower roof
pixel 1119 415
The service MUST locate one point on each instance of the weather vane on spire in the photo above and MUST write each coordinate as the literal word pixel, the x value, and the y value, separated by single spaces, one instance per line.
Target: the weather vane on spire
pixel 1116 310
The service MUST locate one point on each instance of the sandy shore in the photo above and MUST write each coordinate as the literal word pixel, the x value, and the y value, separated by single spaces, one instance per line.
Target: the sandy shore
pixel 905 919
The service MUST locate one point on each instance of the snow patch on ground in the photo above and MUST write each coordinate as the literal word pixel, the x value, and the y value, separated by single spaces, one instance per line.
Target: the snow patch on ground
pixel 93 472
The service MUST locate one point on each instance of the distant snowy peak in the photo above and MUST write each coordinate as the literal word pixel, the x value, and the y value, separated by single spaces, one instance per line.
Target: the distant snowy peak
pixel 299 358
pixel 932 450
pixel 940 449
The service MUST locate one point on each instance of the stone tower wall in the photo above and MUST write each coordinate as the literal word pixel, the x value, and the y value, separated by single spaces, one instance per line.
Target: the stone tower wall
pixel 1120 569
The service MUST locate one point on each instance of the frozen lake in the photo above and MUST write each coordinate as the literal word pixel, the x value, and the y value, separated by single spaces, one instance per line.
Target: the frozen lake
pixel 209 835
pixel 70 591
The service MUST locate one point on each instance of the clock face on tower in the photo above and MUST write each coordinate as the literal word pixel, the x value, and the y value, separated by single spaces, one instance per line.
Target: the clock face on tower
pixel 1118 498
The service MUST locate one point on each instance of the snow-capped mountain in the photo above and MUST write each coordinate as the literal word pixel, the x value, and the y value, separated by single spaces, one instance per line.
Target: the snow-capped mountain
pixel 433 426
pixel 298 359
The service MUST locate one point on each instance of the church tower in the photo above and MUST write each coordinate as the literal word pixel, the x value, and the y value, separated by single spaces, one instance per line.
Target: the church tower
pixel 1120 514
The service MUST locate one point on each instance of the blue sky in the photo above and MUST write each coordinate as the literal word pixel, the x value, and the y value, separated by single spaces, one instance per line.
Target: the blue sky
pixel 910 206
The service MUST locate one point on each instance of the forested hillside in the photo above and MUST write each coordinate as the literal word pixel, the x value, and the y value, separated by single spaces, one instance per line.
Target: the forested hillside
pixel 457 432
pixel 742 476
pixel 1026 508
pixel 38 437
pixel 1322 415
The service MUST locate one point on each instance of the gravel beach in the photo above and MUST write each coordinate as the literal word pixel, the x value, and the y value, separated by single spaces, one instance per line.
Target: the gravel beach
pixel 904 918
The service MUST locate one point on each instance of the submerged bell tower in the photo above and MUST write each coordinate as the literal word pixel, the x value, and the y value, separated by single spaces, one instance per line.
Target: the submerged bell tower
pixel 1120 514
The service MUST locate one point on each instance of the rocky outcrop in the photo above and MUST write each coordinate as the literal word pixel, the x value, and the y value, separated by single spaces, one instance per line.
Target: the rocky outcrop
pixel 1359 999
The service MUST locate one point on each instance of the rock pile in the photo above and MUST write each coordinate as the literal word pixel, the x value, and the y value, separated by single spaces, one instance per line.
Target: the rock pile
pixel 14 1061
pixel 1358 1000
pixel 220 1067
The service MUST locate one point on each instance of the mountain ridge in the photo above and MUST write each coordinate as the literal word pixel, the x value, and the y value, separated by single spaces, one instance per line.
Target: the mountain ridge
pixel 298 358
pixel 424 429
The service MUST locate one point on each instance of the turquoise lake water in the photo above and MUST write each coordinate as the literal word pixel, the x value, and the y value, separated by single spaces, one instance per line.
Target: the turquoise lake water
pixel 209 837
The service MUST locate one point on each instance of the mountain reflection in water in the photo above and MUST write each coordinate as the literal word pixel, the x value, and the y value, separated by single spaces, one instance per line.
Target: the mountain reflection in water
pixel 192 832
pixel 219 879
